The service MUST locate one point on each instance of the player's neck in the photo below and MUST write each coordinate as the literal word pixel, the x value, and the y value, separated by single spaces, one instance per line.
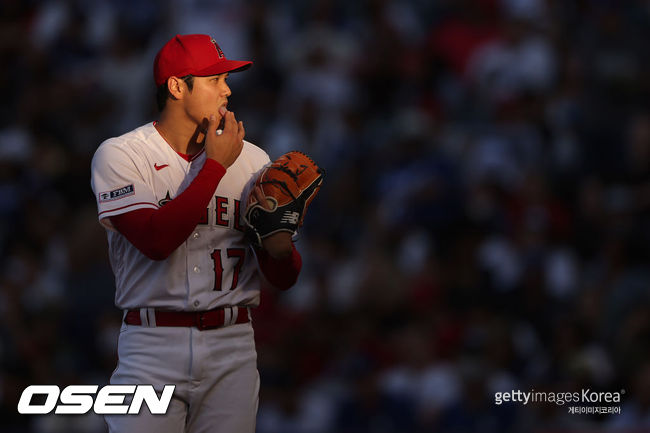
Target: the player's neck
pixel 183 136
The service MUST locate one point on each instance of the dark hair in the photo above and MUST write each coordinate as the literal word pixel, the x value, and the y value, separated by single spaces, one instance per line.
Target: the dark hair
pixel 162 93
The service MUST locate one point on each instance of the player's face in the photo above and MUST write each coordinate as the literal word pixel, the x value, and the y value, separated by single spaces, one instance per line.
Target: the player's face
pixel 208 94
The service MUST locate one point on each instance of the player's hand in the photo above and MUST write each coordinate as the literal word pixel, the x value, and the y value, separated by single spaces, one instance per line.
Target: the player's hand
pixel 278 245
pixel 226 147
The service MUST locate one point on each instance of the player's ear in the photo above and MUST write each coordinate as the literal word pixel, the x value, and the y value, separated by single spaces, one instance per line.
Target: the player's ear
pixel 175 87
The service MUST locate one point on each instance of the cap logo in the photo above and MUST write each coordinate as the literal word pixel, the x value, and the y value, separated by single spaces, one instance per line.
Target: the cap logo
pixel 221 56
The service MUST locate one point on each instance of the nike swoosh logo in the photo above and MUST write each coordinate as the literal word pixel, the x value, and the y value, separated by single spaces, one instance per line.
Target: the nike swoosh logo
pixel 160 167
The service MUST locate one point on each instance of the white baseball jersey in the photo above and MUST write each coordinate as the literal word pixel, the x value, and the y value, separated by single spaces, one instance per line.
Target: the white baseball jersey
pixel 214 267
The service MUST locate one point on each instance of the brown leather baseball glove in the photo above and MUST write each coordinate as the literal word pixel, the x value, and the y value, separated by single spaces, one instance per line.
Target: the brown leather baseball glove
pixel 289 185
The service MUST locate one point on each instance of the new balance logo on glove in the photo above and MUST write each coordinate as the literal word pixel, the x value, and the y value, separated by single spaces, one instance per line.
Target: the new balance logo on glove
pixel 290 217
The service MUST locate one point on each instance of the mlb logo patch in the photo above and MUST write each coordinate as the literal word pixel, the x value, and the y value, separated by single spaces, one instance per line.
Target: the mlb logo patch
pixel 116 194
pixel 219 52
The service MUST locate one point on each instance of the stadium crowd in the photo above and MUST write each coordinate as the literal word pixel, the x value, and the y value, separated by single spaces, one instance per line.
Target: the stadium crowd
pixel 483 227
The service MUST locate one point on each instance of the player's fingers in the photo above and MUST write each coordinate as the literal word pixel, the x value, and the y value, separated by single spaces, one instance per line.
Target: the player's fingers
pixel 259 196
pixel 230 125
pixel 211 124
pixel 241 132
pixel 218 124
pixel 221 125
pixel 239 146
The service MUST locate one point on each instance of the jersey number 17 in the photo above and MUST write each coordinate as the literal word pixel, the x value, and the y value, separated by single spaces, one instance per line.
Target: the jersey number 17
pixel 237 254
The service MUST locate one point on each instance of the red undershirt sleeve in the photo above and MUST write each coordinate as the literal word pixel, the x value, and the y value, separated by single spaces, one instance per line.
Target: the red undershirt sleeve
pixel 281 273
pixel 158 232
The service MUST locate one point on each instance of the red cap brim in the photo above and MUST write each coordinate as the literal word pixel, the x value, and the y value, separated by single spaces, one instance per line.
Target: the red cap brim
pixel 223 67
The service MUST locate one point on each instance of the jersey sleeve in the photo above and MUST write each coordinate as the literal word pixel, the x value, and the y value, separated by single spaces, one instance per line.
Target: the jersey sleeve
pixel 118 183
pixel 280 273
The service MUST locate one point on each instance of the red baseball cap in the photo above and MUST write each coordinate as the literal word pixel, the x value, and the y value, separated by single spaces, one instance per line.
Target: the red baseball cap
pixel 197 55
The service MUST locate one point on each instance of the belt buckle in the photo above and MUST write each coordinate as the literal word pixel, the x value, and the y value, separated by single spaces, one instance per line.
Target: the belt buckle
pixel 200 321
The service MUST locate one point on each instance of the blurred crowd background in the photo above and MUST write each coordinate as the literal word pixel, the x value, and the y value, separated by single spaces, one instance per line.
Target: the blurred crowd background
pixel 483 227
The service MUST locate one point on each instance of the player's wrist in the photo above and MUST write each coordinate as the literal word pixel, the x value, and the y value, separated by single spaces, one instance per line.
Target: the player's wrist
pixel 212 165
pixel 279 246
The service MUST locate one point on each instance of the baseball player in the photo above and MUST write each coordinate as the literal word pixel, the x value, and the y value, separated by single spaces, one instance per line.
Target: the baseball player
pixel 169 194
